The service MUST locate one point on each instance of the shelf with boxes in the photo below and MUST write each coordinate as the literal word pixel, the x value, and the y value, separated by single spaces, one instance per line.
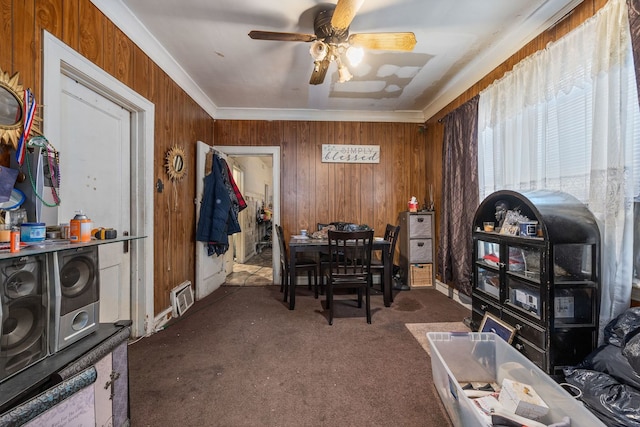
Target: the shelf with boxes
pixel 417 251
pixel 544 283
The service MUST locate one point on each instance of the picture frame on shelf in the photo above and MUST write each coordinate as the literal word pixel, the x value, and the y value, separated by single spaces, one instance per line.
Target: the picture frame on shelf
pixel 490 323
pixel 509 229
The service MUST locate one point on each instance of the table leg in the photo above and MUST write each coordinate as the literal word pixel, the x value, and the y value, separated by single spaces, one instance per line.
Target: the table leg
pixel 292 277
pixel 388 266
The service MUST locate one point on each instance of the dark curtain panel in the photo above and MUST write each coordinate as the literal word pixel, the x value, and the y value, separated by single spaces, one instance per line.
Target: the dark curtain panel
pixel 634 24
pixel 459 195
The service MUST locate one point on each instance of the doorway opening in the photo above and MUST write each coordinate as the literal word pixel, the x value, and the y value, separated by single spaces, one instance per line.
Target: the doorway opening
pixel 260 191
pixel 252 247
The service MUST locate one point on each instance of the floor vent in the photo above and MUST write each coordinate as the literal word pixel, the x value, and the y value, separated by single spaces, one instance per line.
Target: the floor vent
pixel 181 298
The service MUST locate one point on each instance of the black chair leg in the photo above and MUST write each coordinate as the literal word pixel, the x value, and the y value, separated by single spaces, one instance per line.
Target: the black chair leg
pixel 286 286
pixel 368 305
pixel 330 303
pixel 315 283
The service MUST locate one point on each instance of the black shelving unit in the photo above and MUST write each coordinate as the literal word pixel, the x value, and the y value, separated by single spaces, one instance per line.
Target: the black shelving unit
pixel 547 285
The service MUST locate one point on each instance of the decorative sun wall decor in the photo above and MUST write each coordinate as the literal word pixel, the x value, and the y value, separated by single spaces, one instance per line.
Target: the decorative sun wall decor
pixel 11 109
pixel 174 164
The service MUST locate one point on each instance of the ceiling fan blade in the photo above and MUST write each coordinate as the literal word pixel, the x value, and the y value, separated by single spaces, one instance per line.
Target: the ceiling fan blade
pixel 384 41
pixel 286 37
pixel 344 13
pixel 319 72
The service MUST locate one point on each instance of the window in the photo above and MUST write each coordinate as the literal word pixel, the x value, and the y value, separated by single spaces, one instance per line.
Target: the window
pixel 567 119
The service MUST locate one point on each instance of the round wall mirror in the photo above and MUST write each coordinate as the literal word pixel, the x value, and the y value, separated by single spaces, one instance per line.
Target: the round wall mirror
pixel 175 164
pixel 11 108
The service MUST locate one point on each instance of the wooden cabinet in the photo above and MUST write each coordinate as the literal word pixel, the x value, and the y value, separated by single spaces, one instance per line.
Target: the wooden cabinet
pixel 84 384
pixel 417 252
pixel 112 388
pixel 545 284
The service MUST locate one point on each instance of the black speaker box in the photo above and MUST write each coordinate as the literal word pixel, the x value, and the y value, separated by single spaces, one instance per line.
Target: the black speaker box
pixel 75 282
pixel 25 310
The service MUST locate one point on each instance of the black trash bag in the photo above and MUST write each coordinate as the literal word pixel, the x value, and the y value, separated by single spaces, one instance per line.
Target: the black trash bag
pixel 610 360
pixel 626 323
pixel 617 405
pixel 631 351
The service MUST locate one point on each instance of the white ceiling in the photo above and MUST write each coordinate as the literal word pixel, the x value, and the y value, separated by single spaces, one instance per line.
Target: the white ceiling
pixel 204 46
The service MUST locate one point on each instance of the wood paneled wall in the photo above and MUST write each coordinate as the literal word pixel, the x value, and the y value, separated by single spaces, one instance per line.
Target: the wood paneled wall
pixel 313 192
pixel 178 119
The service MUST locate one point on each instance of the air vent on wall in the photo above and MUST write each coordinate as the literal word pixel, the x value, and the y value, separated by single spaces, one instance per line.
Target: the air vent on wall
pixel 181 298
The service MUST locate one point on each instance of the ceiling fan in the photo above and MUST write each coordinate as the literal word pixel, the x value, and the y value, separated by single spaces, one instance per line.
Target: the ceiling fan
pixel 331 40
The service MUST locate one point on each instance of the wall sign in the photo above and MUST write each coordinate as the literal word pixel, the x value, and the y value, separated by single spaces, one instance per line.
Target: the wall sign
pixel 332 153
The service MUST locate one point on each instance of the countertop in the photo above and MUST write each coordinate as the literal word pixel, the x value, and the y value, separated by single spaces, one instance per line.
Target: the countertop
pixel 35 248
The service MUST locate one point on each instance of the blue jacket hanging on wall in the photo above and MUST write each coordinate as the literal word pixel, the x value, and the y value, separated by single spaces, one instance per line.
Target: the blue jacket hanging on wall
pixel 219 209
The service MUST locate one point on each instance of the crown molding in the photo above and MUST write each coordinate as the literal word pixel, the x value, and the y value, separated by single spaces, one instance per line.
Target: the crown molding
pixel 508 45
pixel 129 24
pixel 319 115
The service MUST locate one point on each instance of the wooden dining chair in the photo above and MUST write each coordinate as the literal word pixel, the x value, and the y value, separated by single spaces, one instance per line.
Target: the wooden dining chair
pixel 323 259
pixel 391 234
pixel 349 266
pixel 302 264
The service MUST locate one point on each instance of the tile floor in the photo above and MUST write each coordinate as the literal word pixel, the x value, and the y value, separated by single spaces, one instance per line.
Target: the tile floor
pixel 257 271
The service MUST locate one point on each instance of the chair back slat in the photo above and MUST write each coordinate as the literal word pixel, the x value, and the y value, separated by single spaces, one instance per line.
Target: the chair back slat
pixel 391 234
pixel 350 265
pixel 350 253
pixel 284 259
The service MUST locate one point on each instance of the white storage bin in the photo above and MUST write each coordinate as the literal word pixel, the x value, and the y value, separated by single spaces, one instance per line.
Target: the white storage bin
pixel 470 356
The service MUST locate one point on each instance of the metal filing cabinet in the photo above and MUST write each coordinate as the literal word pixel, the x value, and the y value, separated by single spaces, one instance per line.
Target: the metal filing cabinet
pixel 417 249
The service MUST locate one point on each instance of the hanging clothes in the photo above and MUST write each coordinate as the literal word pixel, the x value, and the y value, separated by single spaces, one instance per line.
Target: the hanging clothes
pixel 237 201
pixel 221 203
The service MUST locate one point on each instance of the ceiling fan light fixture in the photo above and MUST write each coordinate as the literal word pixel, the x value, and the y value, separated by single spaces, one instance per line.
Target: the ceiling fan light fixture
pixel 331 40
pixel 355 55
pixel 344 75
pixel 318 50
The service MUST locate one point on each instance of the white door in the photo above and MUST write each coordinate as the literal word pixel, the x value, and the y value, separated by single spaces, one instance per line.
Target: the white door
pixel 95 177
pixel 210 270
pixel 60 60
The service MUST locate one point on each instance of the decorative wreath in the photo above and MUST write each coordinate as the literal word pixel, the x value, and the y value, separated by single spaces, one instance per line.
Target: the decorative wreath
pixel 175 164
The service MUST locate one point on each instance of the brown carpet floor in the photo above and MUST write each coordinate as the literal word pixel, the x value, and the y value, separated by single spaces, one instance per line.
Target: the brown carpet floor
pixel 239 357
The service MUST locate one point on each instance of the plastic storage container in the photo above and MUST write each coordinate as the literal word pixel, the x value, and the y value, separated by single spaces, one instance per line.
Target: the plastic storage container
pixel 464 357
pixel 32 231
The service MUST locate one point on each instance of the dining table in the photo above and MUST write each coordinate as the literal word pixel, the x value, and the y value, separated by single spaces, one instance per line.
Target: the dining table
pixel 308 244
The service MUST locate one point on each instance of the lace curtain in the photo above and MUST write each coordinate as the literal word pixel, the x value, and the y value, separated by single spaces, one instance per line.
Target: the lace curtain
pixel 566 118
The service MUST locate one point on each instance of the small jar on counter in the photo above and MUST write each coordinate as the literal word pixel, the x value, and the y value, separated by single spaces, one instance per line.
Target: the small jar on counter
pixel 5 233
